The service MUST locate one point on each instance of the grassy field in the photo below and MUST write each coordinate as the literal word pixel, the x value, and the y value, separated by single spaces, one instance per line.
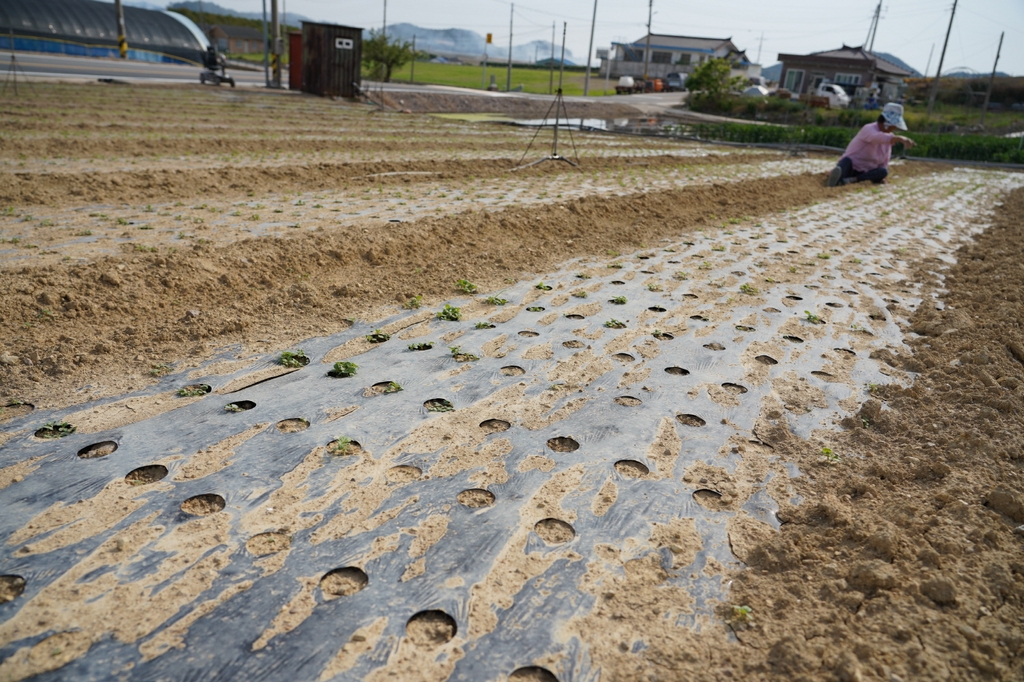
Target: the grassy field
pixel 532 80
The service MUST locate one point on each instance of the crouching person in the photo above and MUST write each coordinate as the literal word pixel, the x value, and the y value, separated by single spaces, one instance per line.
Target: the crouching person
pixel 867 156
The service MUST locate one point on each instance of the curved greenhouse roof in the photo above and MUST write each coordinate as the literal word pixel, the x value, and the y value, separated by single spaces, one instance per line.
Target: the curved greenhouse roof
pixel 89 28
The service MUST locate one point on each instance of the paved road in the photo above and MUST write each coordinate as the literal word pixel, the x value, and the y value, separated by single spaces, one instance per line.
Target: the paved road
pixel 49 66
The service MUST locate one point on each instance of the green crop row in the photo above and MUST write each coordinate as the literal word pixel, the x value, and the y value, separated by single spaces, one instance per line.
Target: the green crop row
pixel 929 145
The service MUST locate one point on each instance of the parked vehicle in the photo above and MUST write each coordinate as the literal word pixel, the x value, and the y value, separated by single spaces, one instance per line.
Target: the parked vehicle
pixel 836 96
pixel 675 82
pixel 627 86
pixel 654 85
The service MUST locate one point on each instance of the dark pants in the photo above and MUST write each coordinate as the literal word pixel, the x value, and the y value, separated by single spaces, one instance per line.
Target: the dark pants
pixel 875 175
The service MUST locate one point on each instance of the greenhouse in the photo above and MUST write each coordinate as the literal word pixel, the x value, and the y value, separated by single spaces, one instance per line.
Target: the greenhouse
pixel 87 28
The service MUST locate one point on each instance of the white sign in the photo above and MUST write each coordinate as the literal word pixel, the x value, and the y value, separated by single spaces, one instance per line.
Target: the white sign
pixel 602 53
pixel 343 43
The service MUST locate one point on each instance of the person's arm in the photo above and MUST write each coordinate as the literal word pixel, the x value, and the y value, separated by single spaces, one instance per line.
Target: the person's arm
pixel 905 141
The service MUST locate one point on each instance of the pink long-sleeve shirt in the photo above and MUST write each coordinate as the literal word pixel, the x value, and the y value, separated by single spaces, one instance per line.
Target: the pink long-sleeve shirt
pixel 870 149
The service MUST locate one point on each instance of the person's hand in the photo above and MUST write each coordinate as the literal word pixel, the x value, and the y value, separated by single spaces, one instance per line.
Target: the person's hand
pixel 906 142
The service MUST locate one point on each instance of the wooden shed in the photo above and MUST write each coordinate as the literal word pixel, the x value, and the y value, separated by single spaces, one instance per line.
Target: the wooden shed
pixel 332 58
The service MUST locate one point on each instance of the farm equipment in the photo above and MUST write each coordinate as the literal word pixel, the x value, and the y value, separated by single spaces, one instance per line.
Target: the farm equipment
pixel 213 63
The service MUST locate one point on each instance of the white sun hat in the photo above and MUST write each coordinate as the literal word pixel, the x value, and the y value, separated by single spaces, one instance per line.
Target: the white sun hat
pixel 893 114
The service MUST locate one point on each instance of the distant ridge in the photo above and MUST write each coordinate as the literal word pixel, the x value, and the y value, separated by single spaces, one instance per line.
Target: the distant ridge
pixel 292 18
pixel 458 41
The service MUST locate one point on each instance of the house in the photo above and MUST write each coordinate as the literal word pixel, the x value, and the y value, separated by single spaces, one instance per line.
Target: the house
pixel 854 68
pixel 674 54
pixel 236 39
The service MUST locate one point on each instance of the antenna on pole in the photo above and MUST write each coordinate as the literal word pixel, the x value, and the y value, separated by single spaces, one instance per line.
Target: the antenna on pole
pixel 991 79
pixel 559 106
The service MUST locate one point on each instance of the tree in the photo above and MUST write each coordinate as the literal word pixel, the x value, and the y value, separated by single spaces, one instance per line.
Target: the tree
pixel 382 56
pixel 710 82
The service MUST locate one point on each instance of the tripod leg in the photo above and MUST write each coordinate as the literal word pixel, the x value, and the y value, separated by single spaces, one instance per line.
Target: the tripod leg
pixel 535 134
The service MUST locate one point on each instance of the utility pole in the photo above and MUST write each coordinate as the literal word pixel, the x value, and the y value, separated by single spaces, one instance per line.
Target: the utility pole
pixel 874 32
pixel 551 66
pixel 870 39
pixel 384 28
pixel 275 30
pixel 760 43
pixel 647 50
pixel 942 58
pixel 590 50
pixel 266 45
pixel 508 80
pixel 929 66
pixel 122 35
pixel 992 78
pixel 412 74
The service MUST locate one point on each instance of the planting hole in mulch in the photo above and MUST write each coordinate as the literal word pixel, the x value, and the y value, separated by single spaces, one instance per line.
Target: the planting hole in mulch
pixel 772 310
pixel 343 582
pixel 794 339
pixel 268 543
pixel 203 505
pixel 430 628
pixel 744 328
pixel 475 498
pixel 53 430
pixel 735 389
pixel 628 401
pixel 690 420
pixel 575 317
pixel 554 531
pixel 714 345
pixel 532 673
pixel 766 360
pixel 657 309
pixel 823 375
pixel 344 447
pixel 844 350
pixel 293 425
pixel 833 304
pixel 15 409
pixel 677 371
pixel 851 292
pixel 403 473
pixel 513 371
pixel 623 357
pixel 690 296
pixel 630 468
pixel 484 325
pixel 151 473
pixel 572 344
pixel 794 298
pixel 529 334
pixel 438 405
pixel 97 450
pixel 709 499
pixel 239 406
pixel 563 444
pixel 617 282
pixel 11 587
pixel 535 309
pixel 644 257
pixel 495 425
pixel 382 387
pixel 663 336
pixel 700 318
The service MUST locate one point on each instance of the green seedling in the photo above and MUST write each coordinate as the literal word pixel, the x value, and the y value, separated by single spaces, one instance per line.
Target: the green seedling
pixel 55 430
pixel 824 256
pixel 653 287
pixel 615 266
pixel 378 336
pixel 159 370
pixel 718 248
pixel 84 233
pixel 742 615
pixel 582 275
pixel 342 445
pixel 392 387
pixel 427 345
pixel 704 266
pixel 615 324
pixel 829 456
pixel 535 309
pixel 459 356
pixel 792 269
pixel 122 221
pixel 413 303
pixel 542 286
pixel 618 300
pixel 194 391
pixel 466 286
pixel 682 276
pixel 231 407
pixel 293 358
pixel 748 289
pixel 494 300
pixel 579 294
pixel 483 325
pixel 857 261
pixel 449 313
pixel 343 369
pixel 811 317
pixel 439 405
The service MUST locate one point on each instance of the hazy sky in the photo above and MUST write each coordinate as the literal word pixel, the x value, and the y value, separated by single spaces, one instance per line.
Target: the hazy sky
pixel 908 28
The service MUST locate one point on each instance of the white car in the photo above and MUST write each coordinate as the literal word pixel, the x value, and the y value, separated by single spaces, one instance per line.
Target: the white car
pixel 837 97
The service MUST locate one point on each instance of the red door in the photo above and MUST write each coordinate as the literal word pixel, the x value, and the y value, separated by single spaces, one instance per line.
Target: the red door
pixel 295 61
